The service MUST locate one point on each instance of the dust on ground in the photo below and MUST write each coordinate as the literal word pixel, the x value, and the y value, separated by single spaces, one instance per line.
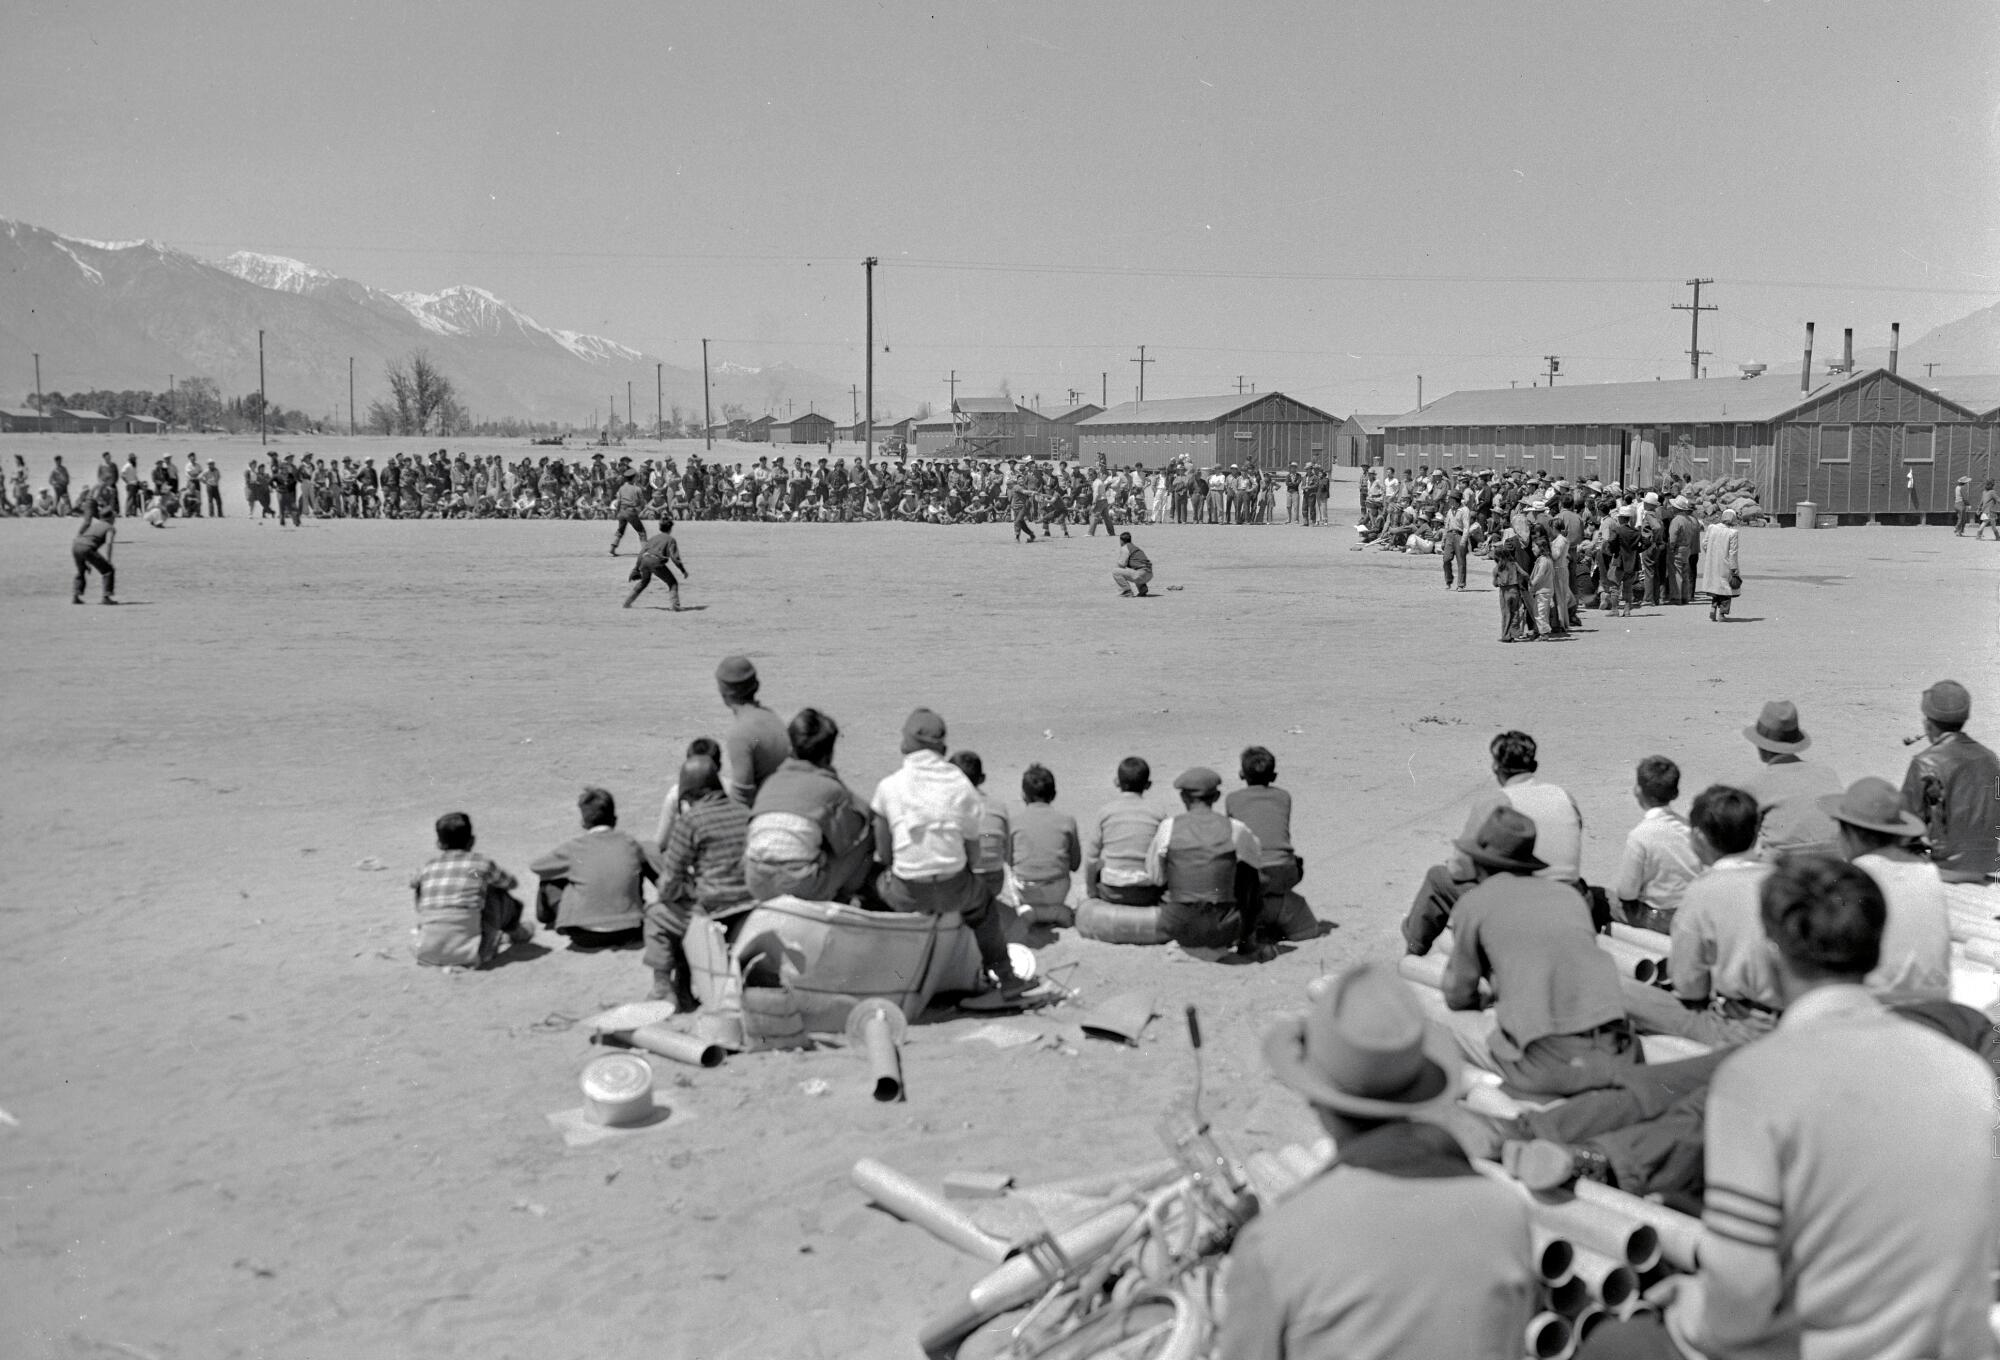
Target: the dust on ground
pixel 250 1126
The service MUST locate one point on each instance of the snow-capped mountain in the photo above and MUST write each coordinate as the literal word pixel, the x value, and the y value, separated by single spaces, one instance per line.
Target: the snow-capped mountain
pixel 122 314
pixel 277 272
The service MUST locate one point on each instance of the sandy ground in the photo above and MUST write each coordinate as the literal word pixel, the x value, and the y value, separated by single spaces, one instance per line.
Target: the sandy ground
pixel 250 1126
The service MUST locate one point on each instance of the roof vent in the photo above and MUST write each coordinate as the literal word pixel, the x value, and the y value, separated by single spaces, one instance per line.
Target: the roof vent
pixel 1752 370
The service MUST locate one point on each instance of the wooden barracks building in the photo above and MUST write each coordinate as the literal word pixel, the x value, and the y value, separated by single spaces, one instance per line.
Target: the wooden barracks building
pixel 1256 429
pixel 1867 445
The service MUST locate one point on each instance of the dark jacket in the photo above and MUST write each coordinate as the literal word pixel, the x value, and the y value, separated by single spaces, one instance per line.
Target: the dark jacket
pixel 1955 787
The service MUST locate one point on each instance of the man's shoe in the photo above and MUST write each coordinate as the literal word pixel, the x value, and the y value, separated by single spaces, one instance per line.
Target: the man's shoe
pixel 107 600
pixel 1143 590
pixel 521 934
pixel 76 599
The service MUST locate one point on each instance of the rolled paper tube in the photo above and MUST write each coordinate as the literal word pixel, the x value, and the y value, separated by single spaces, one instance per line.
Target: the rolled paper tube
pixel 1678 1234
pixel 1568 1297
pixel 884 1063
pixel 1612 1283
pixel 1652 941
pixel 1548 1336
pixel 1271 1178
pixel 1966 926
pixel 1427 971
pixel 1986 952
pixel 1301 1162
pixel 1145 1176
pixel 1586 1322
pixel 1596 1227
pixel 683 1048
pixel 1629 958
pixel 1663 1048
pixel 1488 1099
pixel 1020 1280
pixel 1555 1255
pixel 915 1203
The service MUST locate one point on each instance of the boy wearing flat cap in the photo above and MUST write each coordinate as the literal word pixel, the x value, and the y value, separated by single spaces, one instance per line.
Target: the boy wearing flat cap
pixel 1210 869
pixel 1953 786
pixel 1400 1248
pixel 757 742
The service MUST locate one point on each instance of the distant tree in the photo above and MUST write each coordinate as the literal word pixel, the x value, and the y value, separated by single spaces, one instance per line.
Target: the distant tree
pixel 923 411
pixel 421 400
pixel 195 403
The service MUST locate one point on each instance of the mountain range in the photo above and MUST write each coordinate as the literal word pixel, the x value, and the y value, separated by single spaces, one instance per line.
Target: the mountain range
pixel 128 314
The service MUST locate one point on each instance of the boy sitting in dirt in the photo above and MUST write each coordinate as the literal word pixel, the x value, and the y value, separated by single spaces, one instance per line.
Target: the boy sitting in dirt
pixel 465 904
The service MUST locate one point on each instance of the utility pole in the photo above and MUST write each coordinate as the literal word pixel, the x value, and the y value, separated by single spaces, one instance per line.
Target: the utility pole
pixel 263 401
pixel 1104 388
pixel 1142 361
pixel 1420 391
pixel 1239 384
pixel 1934 363
pixel 659 401
pixel 41 407
pixel 1695 309
pixel 631 415
pixel 854 401
pixel 952 383
pixel 350 395
pixel 1555 366
pixel 171 403
pixel 868 376
pixel 707 416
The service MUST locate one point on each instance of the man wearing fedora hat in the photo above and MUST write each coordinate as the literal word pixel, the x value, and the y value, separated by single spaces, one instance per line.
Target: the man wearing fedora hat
pixel 1562 1026
pixel 1875 835
pixel 1787 788
pixel 1399 1248
pixel 1953 785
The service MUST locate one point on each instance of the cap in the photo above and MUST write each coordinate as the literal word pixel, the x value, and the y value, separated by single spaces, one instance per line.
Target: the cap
pixel 923 729
pixel 1948 702
pixel 735 670
pixel 1200 779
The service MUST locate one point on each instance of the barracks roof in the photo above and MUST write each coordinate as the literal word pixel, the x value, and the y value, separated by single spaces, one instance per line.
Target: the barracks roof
pixel 1191 410
pixel 1978 392
pixel 1680 401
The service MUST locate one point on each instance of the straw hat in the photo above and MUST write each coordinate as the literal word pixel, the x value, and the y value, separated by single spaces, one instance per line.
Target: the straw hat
pixel 1366 1049
pixel 1872 805
pixel 1777 729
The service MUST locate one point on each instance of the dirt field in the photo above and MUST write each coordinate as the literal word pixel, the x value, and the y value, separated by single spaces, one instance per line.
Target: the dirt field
pixel 249 1125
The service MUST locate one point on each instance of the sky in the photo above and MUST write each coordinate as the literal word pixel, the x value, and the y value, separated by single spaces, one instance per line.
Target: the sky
pixel 1329 199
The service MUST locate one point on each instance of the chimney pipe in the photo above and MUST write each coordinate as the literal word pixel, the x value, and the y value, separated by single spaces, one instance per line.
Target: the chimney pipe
pixel 1895 342
pixel 1847 350
pixel 1805 373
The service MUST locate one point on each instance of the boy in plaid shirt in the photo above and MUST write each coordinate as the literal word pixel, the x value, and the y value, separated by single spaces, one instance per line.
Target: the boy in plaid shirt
pixel 465 906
